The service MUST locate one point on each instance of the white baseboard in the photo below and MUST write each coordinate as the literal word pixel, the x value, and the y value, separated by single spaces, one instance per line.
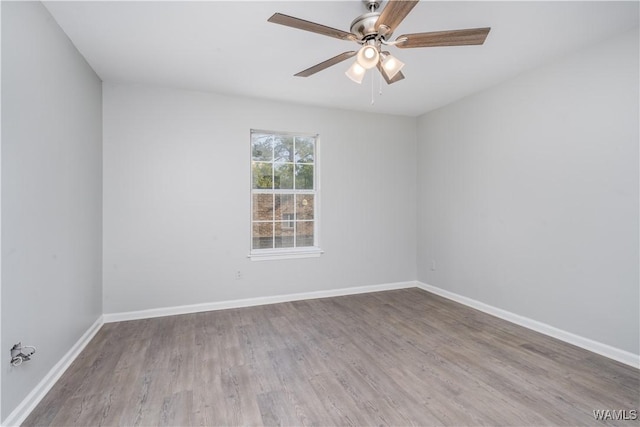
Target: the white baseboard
pixel 250 302
pixel 577 340
pixel 28 404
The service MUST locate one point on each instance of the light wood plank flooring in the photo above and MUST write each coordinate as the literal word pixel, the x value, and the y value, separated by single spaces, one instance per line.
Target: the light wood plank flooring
pixel 403 357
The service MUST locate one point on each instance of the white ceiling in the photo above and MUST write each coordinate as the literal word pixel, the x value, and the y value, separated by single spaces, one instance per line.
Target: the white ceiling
pixel 229 47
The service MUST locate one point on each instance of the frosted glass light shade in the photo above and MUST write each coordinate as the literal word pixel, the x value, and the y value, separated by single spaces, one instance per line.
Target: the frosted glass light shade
pixel 356 72
pixel 391 65
pixel 368 57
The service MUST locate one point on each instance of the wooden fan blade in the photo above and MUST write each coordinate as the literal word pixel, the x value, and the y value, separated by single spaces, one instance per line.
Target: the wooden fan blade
pixel 473 36
pixel 301 24
pixel 393 14
pixel 399 76
pixel 326 64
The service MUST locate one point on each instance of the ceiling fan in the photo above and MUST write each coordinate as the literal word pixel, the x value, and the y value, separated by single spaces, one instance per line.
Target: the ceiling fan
pixel 373 31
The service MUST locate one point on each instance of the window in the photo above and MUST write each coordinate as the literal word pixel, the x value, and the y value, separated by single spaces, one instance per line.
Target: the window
pixel 284 195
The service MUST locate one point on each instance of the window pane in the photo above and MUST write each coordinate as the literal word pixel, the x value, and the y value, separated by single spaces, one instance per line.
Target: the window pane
pixel 283 175
pixel 284 207
pixel 261 147
pixel 304 177
pixel 263 235
pixel 262 175
pixel 304 233
pixel 283 235
pixel 289 221
pixel 283 148
pixel 263 207
pixel 304 149
pixel 304 206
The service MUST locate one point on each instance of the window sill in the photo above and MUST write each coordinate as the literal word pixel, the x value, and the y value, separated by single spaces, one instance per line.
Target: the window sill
pixel 270 255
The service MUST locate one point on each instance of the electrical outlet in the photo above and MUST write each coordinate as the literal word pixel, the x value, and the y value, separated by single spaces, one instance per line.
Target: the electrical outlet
pixel 238 275
pixel 433 265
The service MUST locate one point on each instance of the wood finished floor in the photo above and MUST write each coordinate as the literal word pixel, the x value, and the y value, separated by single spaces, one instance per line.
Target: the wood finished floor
pixel 403 357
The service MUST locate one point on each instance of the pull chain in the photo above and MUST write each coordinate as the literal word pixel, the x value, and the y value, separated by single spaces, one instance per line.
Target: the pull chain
pixel 373 101
pixel 373 77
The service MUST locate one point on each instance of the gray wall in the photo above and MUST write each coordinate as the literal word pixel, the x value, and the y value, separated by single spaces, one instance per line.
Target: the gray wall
pixel 528 195
pixel 51 195
pixel 176 199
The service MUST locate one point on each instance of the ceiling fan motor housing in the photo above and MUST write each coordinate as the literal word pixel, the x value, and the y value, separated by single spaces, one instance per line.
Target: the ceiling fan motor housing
pixel 364 26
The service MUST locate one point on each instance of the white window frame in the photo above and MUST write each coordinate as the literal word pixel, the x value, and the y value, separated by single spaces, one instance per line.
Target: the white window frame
pixel 287 253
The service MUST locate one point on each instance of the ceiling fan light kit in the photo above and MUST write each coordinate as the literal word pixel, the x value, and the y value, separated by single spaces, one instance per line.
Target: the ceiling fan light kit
pixel 391 65
pixel 368 57
pixel 356 72
pixel 372 30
